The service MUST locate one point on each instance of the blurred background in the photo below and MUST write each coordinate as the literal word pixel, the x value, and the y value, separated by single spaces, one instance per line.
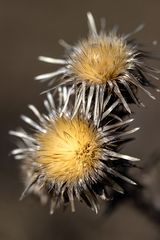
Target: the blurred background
pixel 30 28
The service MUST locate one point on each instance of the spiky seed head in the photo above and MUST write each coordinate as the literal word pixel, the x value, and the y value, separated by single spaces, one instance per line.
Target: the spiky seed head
pixel 71 153
pixel 106 59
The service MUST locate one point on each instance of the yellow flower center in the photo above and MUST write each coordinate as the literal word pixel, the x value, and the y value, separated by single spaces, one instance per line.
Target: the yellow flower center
pixel 70 150
pixel 99 60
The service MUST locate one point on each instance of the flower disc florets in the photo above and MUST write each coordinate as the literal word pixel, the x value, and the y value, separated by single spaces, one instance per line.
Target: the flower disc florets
pixel 100 59
pixel 70 150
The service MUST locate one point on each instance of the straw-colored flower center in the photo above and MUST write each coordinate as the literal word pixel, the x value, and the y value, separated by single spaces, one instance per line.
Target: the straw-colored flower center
pixel 101 59
pixel 70 150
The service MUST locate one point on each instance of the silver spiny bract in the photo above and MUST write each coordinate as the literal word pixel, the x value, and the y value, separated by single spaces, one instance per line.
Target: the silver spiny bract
pixel 71 153
pixel 103 62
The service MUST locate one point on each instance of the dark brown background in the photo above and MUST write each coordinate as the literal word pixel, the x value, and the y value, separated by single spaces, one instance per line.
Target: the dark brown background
pixel 29 28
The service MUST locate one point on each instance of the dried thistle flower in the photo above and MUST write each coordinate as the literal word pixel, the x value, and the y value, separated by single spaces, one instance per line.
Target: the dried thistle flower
pixel 70 156
pixel 110 62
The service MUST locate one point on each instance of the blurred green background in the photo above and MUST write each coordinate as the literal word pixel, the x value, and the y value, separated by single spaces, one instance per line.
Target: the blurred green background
pixel 29 28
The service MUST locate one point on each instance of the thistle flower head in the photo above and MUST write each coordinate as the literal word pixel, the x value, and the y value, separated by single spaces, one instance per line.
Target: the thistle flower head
pixel 109 60
pixel 72 154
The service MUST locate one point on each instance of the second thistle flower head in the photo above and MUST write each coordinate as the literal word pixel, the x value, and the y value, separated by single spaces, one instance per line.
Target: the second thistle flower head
pixel 103 59
pixel 71 155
